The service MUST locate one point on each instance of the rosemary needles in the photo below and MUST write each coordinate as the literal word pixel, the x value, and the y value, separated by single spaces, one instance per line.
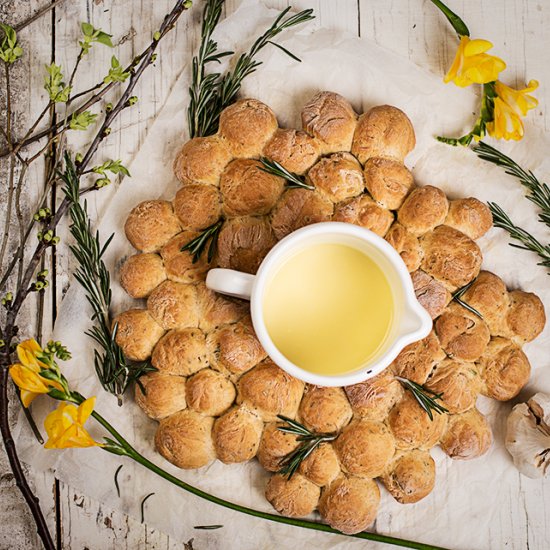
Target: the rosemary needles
pixel 294 180
pixel 308 442
pixel 113 371
pixel 426 398
pixel 537 192
pixel 198 245
pixel 211 93
pixel 457 297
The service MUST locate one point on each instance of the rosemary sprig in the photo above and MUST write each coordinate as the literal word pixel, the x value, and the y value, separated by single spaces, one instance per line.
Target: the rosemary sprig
pixel 294 180
pixel 309 441
pixel 537 192
pixel 211 94
pixel 526 240
pixel 457 297
pixel 426 398
pixel 198 245
pixel 113 371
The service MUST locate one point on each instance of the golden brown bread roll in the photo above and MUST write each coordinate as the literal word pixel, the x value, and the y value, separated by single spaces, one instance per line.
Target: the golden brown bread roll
pixel 275 445
pixel 431 294
pixel 365 212
pixel 137 333
pixel 141 274
pixel 294 497
pixel 237 435
pixel 504 369
pixel 411 477
pixel 350 504
pixel 458 382
pixel 450 256
pixel 383 131
pixel 180 352
pixel 298 208
pixel 151 224
pixel 406 244
pixel 489 296
pixel 179 265
pixel 164 394
pixel 337 177
pixel 526 317
pixel 468 436
pixel 248 190
pixel 373 398
pixel 209 392
pixel 246 126
pixel 470 216
pixel 216 310
pixel 365 448
pixel 270 391
pixel 388 181
pixel 324 410
pixel 293 150
pixel 417 360
pixel 462 334
pixel 412 427
pixel 185 440
pixel 423 210
pixel 202 160
pixel 244 242
pixel 174 305
pixel 331 119
pixel 235 348
pixel 321 466
pixel 197 206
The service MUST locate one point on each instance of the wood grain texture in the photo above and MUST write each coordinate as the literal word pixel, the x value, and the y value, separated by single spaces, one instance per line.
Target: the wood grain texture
pixel 411 28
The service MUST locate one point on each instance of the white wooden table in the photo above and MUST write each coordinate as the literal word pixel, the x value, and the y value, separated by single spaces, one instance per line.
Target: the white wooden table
pixel 411 28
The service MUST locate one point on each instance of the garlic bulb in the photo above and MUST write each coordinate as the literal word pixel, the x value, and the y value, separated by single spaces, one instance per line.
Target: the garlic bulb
pixel 528 436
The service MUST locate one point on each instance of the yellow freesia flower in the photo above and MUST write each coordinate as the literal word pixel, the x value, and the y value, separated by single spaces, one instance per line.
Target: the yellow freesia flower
pixel 28 351
pixel 510 106
pixel 472 65
pixel 65 426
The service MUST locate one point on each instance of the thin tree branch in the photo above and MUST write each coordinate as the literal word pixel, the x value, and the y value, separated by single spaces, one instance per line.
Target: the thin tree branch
pixel 37 15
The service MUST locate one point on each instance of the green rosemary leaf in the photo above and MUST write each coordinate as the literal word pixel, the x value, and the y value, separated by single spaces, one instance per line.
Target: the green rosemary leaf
pixel 289 53
pixel 116 480
pixel 143 506
pixel 427 399
pixel 538 192
pixel 197 245
pixel 210 94
pixel 208 527
pixel 526 240
pixel 457 23
pixel 308 440
pixel 113 370
pixel 276 169
pixel 457 297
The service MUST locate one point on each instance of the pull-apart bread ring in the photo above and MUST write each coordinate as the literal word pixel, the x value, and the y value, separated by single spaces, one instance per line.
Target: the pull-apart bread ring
pixel 216 394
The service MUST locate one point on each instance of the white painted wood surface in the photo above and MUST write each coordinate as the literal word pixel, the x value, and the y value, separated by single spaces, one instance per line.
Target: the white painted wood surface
pixel 411 28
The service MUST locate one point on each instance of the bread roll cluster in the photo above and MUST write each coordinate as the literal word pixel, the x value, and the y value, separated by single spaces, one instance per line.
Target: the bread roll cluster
pixel 217 395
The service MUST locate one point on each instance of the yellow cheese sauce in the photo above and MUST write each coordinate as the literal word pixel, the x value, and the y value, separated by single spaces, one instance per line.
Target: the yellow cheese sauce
pixel 328 308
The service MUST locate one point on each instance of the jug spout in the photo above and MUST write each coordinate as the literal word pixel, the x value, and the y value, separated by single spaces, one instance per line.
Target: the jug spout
pixel 416 323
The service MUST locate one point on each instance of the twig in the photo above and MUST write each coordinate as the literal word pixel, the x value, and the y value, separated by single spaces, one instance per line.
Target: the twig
pixel 38 15
pixel 11 452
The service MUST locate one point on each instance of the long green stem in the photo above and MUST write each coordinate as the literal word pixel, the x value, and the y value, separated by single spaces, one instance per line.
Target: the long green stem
pixel 129 451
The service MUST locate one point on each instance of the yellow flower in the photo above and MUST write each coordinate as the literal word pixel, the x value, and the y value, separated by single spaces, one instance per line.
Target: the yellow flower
pixel 510 106
pixel 65 426
pixel 472 65
pixel 27 373
pixel 28 352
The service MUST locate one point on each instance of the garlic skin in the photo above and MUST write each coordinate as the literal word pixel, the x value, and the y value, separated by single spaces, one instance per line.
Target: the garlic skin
pixel 528 436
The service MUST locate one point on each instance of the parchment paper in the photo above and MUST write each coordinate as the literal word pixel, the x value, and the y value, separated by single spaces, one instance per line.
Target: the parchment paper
pixel 464 506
